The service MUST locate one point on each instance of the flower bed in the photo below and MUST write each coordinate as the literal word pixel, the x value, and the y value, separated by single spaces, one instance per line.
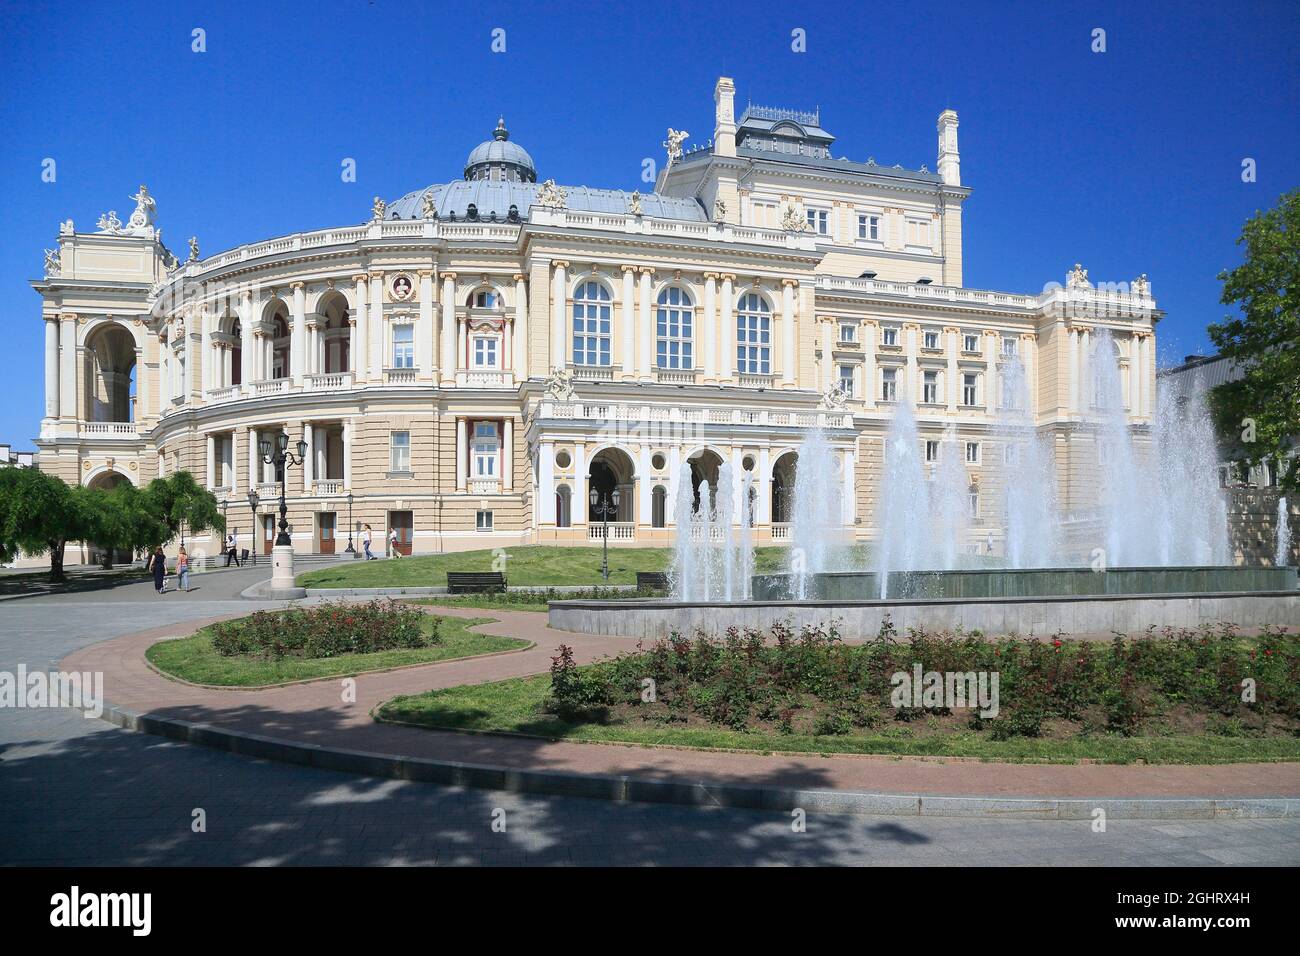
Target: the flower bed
pixel 325 630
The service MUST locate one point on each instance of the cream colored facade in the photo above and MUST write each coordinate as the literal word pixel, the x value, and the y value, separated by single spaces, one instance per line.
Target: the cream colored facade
pixel 470 374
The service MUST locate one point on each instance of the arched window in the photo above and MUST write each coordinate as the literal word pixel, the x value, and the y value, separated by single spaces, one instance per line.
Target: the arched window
pixel 658 507
pixel 563 507
pixel 753 335
pixel 673 329
pixel 485 299
pixel 591 324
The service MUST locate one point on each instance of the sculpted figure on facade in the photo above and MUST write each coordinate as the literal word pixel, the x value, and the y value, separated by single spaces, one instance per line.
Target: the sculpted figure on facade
pixel 559 384
pixel 1077 278
pixel 194 249
pixel 551 196
pixel 719 210
pixel 634 203
pixel 674 144
pixel 427 209
pixel 66 228
pixel 142 219
pixel 792 220
pixel 109 222
pixel 833 398
pixel 377 209
pixel 52 262
pixel 1141 286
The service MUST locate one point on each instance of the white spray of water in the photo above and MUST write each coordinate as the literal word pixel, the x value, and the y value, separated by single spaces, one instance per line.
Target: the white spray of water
pixel 905 522
pixel 1028 475
pixel 1282 556
pixel 714 552
pixel 816 510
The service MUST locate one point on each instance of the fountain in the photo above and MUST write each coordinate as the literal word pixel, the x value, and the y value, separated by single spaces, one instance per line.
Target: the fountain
pixel 816 508
pixel 1282 555
pixel 714 553
pixel 904 501
pixel 1028 474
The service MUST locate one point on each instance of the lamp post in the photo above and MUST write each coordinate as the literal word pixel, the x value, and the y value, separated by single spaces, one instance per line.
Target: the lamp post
pixel 280 457
pixel 252 503
pixel 604 507
pixel 351 550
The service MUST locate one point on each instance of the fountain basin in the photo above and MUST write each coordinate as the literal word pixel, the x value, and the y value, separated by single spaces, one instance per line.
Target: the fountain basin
pixel 1028 583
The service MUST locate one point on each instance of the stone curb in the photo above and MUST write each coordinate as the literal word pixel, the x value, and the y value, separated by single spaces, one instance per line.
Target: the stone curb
pixel 623 789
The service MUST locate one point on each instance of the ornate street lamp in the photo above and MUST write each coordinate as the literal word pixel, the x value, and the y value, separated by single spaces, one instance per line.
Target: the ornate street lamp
pixel 252 503
pixel 604 507
pixel 281 458
pixel 351 550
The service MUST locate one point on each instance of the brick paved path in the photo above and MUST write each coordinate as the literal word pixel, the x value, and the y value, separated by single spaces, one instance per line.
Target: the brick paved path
pixel 315 713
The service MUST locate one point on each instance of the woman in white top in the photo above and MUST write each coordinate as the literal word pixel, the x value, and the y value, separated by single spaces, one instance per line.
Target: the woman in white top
pixel 366 537
pixel 392 543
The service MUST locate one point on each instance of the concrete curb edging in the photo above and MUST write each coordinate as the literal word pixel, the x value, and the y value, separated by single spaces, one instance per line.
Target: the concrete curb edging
pixel 736 796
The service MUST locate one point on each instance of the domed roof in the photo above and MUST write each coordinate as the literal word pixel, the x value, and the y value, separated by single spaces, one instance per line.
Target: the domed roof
pixel 501 153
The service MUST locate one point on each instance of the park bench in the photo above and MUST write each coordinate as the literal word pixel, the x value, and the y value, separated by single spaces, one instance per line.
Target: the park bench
pixel 468 582
pixel 651 581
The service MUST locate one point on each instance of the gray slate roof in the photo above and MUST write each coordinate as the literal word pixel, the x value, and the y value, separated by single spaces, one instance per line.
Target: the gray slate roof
pixel 498 197
pixel 1199 375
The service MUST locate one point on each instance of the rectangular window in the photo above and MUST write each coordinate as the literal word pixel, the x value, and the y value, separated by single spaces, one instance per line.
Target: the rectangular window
pixel 972 453
pixel 931 340
pixel 971 343
pixel 754 344
pixel 485 448
pixel 399 451
pixel 485 352
pixel 403 346
pixel 973 501
pixel 931 450
pixel 846 380
pixel 888 384
pixel 1008 346
pixel 483 521
pixel 889 336
pixel 868 227
pixel 591 326
pixel 848 332
pixel 968 393
pixel 930 388
pixel 819 221
pixel 918 232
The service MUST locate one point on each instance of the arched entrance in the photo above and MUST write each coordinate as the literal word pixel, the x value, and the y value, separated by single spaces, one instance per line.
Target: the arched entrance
pixel 612 468
pixel 705 466
pixel 110 375
pixel 98 554
pixel 783 487
pixel 333 346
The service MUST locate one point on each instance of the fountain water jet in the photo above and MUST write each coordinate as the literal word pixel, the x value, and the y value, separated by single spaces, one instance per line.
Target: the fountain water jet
pixel 816 509
pixel 905 525
pixel 1282 555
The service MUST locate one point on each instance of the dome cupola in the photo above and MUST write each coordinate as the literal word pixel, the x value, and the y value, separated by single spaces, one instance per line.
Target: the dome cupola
pixel 500 160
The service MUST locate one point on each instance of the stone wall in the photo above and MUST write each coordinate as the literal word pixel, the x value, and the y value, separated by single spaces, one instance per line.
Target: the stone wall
pixel 1252 526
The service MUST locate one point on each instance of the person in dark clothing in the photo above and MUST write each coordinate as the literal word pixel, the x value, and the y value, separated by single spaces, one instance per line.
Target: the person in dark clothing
pixel 158 565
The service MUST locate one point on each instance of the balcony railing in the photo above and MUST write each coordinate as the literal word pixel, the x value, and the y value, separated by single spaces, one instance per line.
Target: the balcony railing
pixel 484 486
pixel 484 378
pixel 618 531
pixel 593 373
pixel 635 412
pixel 749 380
pixel 271 386
pixel 780 531
pixel 675 376
pixel 329 486
pixel 111 430
pixel 400 376
pixel 328 381
pixel 266 490
pixel 224 394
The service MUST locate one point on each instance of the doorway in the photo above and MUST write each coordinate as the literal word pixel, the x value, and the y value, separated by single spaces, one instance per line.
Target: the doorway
pixel 325 532
pixel 268 533
pixel 402 522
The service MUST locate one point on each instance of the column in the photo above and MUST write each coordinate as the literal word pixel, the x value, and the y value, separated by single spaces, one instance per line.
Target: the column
pixel 425 353
pixel 708 328
pixel 211 368
pixel 508 454
pixel 1072 368
pixel 52 367
pixel 357 331
pixel 248 347
pixel 143 384
pixel 309 459
pixel 763 506
pixel 375 328
pixel 728 364
pixel 212 460
pixel 347 454
pixel 627 320
pixel 645 323
pixel 559 325
pixel 789 361
pixel 848 498
pixel 520 337
pixel 164 373
pixel 954 343
pixel 737 485
pixel 546 483
pixel 254 460
pixel 448 331
pixel 462 451
pixel 828 353
pixel 1029 358
pixel 68 365
pixel 1145 342
pixel 1085 363
pixel 674 466
pixel 644 504
pixel 190 384
pixel 462 341
pixel 297 332
pixel 869 385
pixel 580 505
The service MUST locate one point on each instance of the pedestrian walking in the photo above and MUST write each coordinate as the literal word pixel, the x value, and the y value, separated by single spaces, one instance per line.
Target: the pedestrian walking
pixel 158 565
pixel 232 553
pixel 183 570
pixel 392 543
pixel 367 536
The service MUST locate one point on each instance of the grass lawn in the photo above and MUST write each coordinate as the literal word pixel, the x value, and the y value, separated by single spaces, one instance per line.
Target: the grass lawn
pixel 515 706
pixel 194 659
pixel 526 566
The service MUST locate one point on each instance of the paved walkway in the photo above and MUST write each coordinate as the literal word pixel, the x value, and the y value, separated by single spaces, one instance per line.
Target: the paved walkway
pixel 315 714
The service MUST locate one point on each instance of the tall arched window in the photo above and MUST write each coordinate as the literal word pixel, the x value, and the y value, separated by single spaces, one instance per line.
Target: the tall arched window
pixel 563 507
pixel 753 335
pixel 673 329
pixel 591 324
pixel 659 507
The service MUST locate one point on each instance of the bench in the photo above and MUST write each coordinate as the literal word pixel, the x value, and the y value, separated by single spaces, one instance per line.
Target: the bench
pixel 651 581
pixel 469 582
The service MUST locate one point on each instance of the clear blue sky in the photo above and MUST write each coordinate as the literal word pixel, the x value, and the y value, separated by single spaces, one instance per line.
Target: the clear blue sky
pixel 1128 161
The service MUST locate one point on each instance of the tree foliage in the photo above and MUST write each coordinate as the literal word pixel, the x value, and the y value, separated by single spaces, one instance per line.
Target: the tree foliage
pixel 1258 415
pixel 180 501
pixel 40 514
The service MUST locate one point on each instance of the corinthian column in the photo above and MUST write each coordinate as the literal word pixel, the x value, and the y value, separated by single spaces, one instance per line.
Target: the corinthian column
pixel 52 367
pixel 559 325
pixel 357 347
pixel 448 331
pixel 788 359
pixel 708 328
pixel 645 320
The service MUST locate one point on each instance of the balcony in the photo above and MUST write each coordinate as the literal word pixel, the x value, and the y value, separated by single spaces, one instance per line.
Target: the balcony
pixel 618 531
pixel 593 373
pixel 484 378
pixel 223 394
pixel 780 531
pixel 675 376
pixel 750 380
pixel 328 382
pixel 266 490
pixel 113 431
pixel 400 376
pixel 484 486
pixel 271 386
pixel 328 486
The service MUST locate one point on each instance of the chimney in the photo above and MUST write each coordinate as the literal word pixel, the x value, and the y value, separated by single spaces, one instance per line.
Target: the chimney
pixel 724 117
pixel 949 158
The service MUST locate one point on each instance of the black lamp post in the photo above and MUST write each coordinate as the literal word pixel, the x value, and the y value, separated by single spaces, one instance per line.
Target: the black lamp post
pixel 252 503
pixel 351 550
pixel 604 508
pixel 281 458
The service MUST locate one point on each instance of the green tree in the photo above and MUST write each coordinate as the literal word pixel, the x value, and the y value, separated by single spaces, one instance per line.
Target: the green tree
pixel 178 501
pixel 40 514
pixel 122 518
pixel 1258 415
